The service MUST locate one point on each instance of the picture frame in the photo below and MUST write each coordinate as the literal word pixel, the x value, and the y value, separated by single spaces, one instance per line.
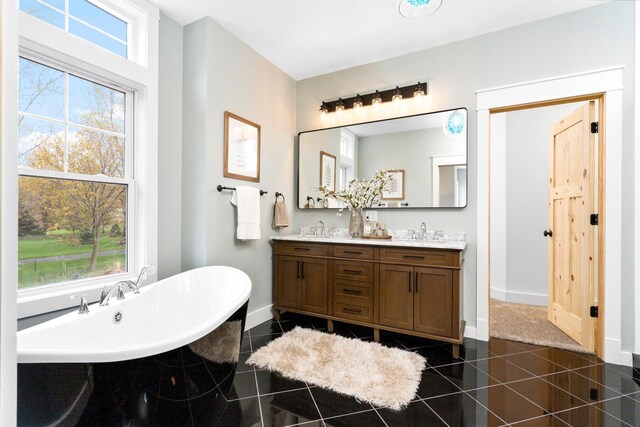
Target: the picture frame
pixel 328 170
pixel 395 187
pixel 241 148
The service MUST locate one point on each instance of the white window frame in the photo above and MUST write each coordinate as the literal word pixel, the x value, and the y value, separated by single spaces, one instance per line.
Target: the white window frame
pixel 138 77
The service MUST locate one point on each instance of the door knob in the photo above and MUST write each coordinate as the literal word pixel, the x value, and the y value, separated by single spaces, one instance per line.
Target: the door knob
pixel 548 233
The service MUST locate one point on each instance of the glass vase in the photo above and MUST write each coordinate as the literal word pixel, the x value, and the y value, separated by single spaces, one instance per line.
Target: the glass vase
pixel 356 223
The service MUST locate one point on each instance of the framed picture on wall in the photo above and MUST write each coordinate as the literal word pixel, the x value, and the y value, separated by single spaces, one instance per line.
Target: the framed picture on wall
pixel 328 170
pixel 395 187
pixel 241 148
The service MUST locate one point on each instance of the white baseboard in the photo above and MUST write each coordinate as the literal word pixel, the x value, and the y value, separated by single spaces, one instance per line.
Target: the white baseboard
pixel 613 351
pixel 482 330
pixel 626 358
pixel 470 332
pixel 258 316
pixel 519 297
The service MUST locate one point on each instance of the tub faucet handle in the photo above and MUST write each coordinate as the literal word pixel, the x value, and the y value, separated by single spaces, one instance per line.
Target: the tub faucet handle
pixel 84 307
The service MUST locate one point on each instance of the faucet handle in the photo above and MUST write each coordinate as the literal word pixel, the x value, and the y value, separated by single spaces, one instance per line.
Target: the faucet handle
pixel 84 307
pixel 120 291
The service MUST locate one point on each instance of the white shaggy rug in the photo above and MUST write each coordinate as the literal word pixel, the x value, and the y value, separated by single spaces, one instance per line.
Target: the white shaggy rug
pixel 386 377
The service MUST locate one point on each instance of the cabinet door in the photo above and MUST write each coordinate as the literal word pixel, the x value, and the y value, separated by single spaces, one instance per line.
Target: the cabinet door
pixel 288 286
pixel 434 301
pixel 396 296
pixel 315 288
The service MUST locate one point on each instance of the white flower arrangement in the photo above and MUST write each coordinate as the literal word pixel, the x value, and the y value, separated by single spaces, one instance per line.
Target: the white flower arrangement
pixel 360 193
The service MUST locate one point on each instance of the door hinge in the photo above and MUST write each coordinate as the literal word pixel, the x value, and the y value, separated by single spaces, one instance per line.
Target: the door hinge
pixel 593 311
pixel 594 127
pixel 593 219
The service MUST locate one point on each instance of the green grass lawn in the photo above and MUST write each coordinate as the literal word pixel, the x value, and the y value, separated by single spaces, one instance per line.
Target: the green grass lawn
pixel 43 273
pixel 51 245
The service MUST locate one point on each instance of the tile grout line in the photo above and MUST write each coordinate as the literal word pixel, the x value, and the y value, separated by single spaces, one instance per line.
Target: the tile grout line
pixel 380 416
pixel 255 379
pixel 489 410
pixel 315 404
pixel 437 415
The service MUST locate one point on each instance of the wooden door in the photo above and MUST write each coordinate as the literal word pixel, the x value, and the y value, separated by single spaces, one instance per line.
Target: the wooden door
pixel 288 287
pixel 396 296
pixel 571 243
pixel 433 303
pixel 315 288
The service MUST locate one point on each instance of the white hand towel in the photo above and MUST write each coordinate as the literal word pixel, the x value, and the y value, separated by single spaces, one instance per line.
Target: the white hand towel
pixel 247 200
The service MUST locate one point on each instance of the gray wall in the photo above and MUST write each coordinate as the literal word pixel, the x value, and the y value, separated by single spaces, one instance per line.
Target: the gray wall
pixel 527 190
pixel 560 45
pixel 222 73
pixel 170 149
pixel 526 148
pixel 408 151
pixel 314 142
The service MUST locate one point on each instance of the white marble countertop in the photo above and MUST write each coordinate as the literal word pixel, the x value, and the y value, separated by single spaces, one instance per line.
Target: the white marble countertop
pixel 459 245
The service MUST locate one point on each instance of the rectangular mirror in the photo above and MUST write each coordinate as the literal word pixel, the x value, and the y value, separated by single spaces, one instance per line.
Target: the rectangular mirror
pixel 428 153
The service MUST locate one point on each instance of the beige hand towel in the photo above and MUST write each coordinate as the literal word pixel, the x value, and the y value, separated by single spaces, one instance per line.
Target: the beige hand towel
pixel 280 216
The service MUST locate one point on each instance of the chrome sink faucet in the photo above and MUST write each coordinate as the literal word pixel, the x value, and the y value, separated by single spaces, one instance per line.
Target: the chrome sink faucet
pixel 423 227
pixel 320 226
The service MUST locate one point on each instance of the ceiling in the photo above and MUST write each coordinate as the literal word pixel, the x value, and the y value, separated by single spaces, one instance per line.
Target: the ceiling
pixel 307 38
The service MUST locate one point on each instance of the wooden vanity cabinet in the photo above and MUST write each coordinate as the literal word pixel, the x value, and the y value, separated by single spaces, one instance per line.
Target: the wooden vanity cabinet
pixel 302 284
pixel 417 299
pixel 416 291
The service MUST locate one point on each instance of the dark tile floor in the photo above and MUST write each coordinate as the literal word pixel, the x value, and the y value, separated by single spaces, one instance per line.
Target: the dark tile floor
pixel 493 384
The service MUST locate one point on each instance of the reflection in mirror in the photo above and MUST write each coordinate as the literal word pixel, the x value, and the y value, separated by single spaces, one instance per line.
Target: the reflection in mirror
pixel 428 151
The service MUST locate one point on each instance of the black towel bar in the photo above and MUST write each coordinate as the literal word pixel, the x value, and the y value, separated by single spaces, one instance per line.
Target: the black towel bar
pixel 280 194
pixel 220 188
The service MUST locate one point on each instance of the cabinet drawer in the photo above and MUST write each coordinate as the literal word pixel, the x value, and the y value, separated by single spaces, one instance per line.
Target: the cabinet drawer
pixel 418 256
pixel 352 292
pixel 354 252
pixel 304 249
pixel 353 312
pixel 353 270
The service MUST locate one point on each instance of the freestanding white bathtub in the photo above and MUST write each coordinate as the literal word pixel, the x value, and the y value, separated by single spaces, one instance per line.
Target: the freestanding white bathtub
pixel 163 316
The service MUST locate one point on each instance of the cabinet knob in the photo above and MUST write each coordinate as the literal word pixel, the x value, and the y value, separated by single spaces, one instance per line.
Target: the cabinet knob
pixel 548 233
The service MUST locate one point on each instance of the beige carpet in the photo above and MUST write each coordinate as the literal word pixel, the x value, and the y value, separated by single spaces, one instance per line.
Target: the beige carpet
pixel 528 324
pixel 370 372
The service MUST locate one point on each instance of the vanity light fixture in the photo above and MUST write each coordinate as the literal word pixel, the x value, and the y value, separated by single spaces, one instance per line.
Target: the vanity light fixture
pixel 375 98
pixel 397 95
pixel 357 103
pixel 412 9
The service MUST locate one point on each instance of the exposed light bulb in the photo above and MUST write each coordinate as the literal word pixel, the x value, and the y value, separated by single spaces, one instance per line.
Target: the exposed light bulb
pixel 324 109
pixel 357 103
pixel 397 96
pixel 418 92
pixel 377 100
pixel 339 105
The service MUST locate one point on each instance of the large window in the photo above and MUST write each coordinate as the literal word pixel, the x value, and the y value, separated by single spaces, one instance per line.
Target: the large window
pixel 75 175
pixel 85 19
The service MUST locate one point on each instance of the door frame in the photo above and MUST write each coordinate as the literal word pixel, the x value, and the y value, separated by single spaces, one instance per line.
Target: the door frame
pixel 607 85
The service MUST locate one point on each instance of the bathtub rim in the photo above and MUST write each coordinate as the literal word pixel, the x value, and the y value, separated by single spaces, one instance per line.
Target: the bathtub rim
pixel 61 355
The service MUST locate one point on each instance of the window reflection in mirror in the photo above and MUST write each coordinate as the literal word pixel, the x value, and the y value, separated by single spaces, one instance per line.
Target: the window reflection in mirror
pixel 430 148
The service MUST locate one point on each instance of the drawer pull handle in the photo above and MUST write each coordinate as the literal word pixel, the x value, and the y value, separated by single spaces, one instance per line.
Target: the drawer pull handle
pixel 302 249
pixel 353 271
pixel 351 291
pixel 352 252
pixel 413 256
pixel 352 310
